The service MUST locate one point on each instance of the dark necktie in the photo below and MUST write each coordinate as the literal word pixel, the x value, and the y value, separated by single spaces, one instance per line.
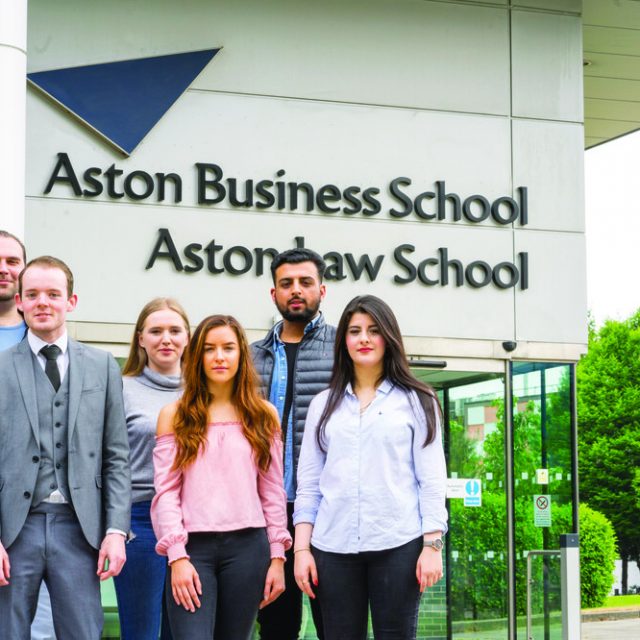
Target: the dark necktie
pixel 51 353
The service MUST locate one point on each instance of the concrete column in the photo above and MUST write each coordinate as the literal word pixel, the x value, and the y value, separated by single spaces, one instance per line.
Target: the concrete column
pixel 13 88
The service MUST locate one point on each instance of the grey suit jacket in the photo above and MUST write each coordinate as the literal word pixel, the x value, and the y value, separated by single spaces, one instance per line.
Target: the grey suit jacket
pixel 98 447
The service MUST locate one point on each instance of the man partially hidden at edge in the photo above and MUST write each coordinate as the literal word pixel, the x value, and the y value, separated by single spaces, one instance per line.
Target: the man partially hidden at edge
pixel 294 363
pixel 13 257
pixel 65 488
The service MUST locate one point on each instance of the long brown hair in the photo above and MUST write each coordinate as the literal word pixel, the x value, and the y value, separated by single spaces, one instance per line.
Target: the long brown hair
pixel 395 365
pixel 137 359
pixel 260 425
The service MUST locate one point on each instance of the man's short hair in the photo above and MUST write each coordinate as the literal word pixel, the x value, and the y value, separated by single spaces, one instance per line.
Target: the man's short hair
pixel 51 263
pixel 6 234
pixel 296 256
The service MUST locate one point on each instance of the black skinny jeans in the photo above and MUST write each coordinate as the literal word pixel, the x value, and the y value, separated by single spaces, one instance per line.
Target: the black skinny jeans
pixel 348 583
pixel 232 567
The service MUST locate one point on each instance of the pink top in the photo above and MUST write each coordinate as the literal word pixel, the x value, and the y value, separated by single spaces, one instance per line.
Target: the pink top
pixel 222 490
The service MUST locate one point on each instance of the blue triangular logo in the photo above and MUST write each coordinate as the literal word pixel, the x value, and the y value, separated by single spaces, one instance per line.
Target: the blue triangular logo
pixel 122 101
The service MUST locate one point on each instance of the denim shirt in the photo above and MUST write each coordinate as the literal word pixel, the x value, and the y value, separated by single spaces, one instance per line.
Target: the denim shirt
pixel 277 396
pixel 376 487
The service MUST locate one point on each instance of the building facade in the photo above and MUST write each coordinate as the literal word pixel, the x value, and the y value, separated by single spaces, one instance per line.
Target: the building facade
pixel 431 150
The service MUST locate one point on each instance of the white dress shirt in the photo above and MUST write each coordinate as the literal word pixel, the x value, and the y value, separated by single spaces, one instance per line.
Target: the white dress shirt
pixel 376 487
pixel 36 344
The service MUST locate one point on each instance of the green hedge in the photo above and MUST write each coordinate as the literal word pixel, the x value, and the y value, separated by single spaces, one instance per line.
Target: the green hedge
pixel 479 582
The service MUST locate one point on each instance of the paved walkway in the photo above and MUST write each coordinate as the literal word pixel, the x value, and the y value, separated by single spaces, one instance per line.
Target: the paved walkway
pixel 611 629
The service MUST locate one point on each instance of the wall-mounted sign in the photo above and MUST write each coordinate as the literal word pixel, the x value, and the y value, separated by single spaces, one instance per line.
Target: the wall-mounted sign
pixel 122 101
pixel 542 476
pixel 542 510
pixel 469 489
pixel 211 187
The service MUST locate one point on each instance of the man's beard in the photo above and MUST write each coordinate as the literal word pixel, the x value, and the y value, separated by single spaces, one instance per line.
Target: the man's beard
pixel 5 296
pixel 305 315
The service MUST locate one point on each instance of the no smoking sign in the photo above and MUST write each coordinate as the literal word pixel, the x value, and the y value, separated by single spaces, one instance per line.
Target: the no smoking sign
pixel 542 510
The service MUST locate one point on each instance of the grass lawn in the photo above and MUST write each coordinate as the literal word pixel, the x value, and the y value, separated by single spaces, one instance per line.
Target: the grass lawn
pixel 622 601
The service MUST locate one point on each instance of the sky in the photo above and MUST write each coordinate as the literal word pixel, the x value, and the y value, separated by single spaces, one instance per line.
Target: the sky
pixel 612 201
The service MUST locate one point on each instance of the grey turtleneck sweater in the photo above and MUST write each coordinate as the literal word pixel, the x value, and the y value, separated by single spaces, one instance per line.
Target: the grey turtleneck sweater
pixel 144 396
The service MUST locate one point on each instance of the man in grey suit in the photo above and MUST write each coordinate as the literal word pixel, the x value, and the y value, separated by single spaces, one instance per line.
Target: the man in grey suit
pixel 64 470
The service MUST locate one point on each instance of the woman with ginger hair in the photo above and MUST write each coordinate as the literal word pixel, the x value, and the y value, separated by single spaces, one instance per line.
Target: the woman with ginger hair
pixel 220 508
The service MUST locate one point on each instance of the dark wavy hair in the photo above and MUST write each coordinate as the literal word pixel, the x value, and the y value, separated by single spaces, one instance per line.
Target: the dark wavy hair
pixel 395 365
pixel 259 423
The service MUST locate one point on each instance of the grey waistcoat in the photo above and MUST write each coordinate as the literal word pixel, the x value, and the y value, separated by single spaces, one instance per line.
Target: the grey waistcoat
pixel 53 409
pixel 312 373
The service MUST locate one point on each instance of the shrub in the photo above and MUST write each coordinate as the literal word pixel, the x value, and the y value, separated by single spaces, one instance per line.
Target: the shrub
pixel 478 584
pixel 598 552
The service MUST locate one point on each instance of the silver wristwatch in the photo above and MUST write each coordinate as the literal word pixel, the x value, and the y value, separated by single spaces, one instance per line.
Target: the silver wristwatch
pixel 435 544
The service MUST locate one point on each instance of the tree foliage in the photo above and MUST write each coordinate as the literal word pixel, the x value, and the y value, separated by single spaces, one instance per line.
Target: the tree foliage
pixel 609 421
pixel 526 440
pixel 463 456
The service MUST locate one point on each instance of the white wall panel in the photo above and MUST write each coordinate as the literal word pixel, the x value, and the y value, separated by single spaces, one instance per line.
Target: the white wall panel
pixel 554 308
pixel 546 66
pixel 407 52
pixel 548 157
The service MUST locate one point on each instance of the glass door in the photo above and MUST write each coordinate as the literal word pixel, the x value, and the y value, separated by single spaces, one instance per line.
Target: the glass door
pixel 544 491
pixel 510 441
pixel 476 557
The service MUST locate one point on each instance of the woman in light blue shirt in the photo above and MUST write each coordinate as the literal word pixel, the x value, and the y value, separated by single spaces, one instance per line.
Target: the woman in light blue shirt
pixel 370 507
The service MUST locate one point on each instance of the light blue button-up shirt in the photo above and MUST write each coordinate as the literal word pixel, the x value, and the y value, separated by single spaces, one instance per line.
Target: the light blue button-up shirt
pixel 376 487
pixel 277 395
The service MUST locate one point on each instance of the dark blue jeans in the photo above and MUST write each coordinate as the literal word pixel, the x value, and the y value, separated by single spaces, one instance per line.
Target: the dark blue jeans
pixel 140 585
pixel 348 583
pixel 232 567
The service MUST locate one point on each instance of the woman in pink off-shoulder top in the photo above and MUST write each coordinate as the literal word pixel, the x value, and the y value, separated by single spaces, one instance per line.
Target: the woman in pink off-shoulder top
pixel 219 512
